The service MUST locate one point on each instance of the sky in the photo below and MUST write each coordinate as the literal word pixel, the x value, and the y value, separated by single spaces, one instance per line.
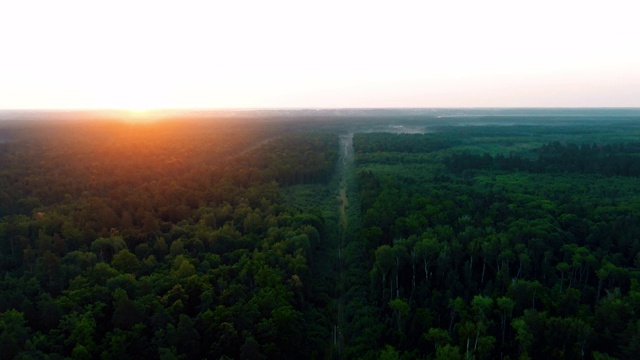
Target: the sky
pixel 142 54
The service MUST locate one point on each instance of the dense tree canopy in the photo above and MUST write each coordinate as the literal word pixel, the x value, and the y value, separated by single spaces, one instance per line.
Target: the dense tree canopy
pixel 261 238
pixel 167 244
pixel 527 255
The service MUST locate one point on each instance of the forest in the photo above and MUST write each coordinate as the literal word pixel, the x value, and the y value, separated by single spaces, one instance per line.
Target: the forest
pixel 502 247
pixel 321 237
pixel 159 241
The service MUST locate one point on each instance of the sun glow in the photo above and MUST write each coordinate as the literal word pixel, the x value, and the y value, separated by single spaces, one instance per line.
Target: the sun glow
pixel 138 115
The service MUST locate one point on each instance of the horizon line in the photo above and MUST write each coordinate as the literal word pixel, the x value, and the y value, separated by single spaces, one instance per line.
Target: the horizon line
pixel 317 108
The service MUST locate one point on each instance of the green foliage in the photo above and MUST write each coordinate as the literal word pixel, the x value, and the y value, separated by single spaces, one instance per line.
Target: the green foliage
pixel 189 253
pixel 448 352
pixel 125 261
pixel 14 332
pixel 520 254
pixel 608 159
pixel 225 239
pixel 389 353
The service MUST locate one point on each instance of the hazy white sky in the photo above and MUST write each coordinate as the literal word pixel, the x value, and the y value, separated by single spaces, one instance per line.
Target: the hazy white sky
pixel 221 54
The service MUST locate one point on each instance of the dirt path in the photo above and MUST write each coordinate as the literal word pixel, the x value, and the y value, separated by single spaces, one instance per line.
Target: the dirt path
pixel 346 143
pixel 343 209
pixel 346 160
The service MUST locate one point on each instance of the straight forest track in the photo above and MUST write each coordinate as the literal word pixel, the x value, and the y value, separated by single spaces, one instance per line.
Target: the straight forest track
pixel 344 165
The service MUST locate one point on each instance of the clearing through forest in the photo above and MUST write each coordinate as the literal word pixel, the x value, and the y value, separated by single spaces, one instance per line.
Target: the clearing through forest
pixel 346 160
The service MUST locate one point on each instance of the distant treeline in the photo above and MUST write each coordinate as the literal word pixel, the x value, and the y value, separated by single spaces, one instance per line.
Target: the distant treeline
pixel 408 143
pixel 609 160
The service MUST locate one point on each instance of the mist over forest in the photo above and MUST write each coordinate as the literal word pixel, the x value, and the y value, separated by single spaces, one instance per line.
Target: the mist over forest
pixel 320 233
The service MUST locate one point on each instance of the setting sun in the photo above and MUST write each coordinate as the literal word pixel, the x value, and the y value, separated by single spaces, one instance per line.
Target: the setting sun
pixel 137 116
